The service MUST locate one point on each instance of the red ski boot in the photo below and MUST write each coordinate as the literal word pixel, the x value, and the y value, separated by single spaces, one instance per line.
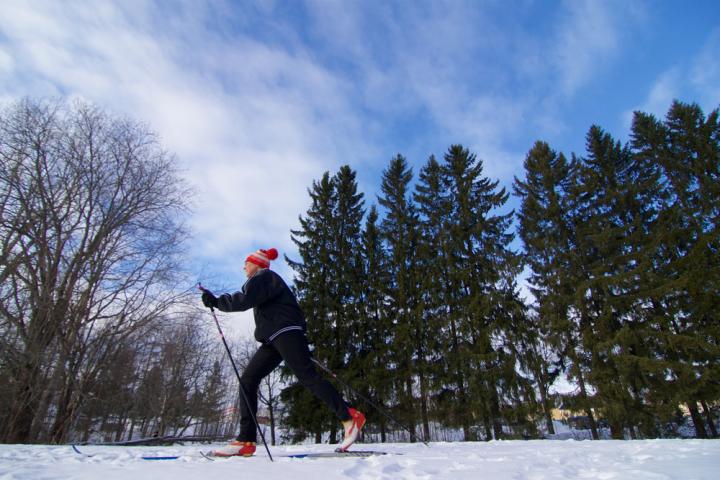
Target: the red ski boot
pixel 352 429
pixel 236 449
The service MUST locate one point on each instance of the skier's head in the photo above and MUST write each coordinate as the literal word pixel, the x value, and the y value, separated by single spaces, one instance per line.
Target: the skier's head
pixel 259 259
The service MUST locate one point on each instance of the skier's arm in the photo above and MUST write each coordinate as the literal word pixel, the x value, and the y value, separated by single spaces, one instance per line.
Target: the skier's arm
pixel 235 302
pixel 258 290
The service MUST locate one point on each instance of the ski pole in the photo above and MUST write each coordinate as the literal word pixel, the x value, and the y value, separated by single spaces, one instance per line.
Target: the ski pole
pixel 370 402
pixel 237 374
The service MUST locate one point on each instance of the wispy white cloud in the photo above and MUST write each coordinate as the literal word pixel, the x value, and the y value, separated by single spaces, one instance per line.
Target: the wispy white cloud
pixel 664 90
pixel 588 36
pixel 696 79
pixel 258 104
pixel 7 66
pixel 443 63
pixel 251 123
pixel 705 72
pixel 476 74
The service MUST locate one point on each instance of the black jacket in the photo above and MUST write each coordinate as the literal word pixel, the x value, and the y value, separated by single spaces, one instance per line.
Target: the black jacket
pixel 274 306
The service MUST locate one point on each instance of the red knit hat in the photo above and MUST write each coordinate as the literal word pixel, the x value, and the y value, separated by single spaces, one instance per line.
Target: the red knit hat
pixel 262 258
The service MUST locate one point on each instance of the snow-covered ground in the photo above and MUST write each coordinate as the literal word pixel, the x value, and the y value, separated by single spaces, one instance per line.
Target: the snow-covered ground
pixel 516 460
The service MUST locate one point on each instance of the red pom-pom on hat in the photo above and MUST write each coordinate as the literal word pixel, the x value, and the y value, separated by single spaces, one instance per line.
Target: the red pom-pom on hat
pixel 262 257
pixel 272 254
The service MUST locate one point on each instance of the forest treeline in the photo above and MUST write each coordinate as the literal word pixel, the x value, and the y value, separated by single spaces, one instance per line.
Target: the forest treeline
pixel 415 300
pixel 418 300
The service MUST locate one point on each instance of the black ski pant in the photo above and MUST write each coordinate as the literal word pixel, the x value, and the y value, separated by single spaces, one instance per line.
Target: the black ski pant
pixel 291 347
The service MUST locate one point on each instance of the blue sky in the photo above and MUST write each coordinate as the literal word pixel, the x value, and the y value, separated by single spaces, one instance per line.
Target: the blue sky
pixel 258 99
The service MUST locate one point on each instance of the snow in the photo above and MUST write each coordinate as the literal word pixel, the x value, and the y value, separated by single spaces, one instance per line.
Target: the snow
pixel 516 460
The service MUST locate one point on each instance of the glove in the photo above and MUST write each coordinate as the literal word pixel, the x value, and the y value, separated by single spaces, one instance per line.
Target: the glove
pixel 209 300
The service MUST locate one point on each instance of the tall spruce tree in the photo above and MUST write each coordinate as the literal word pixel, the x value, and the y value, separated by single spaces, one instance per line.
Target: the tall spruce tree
pixel 481 272
pixel 399 232
pixel 328 279
pixel 613 207
pixel 433 207
pixel 375 332
pixel 543 229
pixel 597 243
pixel 346 275
pixel 684 270
pixel 315 241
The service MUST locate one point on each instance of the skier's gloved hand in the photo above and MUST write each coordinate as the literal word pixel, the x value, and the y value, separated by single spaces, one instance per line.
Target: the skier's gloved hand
pixel 209 300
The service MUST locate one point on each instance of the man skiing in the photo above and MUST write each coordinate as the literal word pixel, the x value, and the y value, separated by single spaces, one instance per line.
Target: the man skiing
pixel 280 328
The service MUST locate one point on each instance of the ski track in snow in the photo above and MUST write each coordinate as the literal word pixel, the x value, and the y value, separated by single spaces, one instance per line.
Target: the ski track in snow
pixel 512 460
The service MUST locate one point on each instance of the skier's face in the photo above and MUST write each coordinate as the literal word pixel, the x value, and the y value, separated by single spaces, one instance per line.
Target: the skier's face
pixel 250 269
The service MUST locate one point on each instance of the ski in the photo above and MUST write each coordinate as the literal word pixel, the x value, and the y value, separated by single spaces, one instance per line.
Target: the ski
pixel 144 457
pixel 159 440
pixel 211 455
pixel 352 453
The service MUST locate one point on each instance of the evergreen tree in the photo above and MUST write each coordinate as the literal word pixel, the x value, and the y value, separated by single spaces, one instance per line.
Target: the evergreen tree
pixel 421 307
pixel 345 273
pixel 304 416
pixel 683 272
pixel 316 295
pixel 346 270
pixel 529 341
pixel 209 404
pixel 375 331
pixel 613 207
pixel 433 207
pixel 329 278
pixel 481 272
pixel 597 243
pixel 399 231
pixel 543 228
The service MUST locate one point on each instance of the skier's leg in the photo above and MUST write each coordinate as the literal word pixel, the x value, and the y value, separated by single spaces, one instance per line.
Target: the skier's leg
pixel 264 361
pixel 293 347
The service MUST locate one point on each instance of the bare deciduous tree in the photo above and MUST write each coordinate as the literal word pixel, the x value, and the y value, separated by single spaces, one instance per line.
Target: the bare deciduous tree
pixel 91 211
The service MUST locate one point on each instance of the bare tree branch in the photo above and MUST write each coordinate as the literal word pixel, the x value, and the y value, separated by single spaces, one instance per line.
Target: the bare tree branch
pixel 90 241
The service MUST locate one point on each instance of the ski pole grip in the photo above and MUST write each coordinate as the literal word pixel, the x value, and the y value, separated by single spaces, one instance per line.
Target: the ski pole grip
pixel 203 289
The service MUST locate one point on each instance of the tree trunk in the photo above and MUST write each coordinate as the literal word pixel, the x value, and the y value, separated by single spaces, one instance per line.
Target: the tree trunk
pixel 710 419
pixel 411 410
pixel 122 420
pixel 86 432
pixel 144 427
pixel 544 398
pixel 588 410
pixel 271 412
pixel 66 406
pixel 617 432
pixel 496 421
pixel 25 407
pixel 697 420
pixel 462 410
pixel 424 406
pixel 132 428
pixel 488 427
pixel 21 417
